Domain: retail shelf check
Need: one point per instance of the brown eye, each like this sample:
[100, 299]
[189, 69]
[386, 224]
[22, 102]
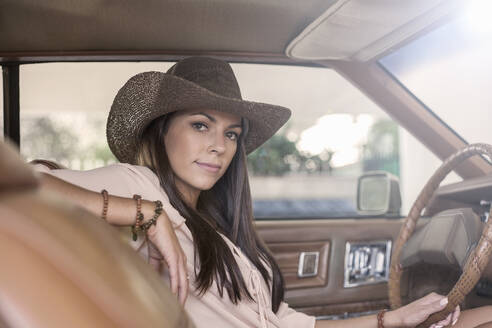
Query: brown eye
[199, 126]
[232, 135]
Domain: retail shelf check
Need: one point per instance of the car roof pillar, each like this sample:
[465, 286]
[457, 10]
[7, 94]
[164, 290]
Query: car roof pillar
[11, 106]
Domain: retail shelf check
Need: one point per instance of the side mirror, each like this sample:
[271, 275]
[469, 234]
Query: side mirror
[378, 193]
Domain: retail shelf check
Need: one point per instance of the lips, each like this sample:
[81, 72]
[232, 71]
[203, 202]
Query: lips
[209, 167]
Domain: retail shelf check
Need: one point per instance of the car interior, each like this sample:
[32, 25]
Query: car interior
[60, 265]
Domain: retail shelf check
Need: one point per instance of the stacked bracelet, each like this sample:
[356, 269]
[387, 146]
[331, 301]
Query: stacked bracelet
[157, 212]
[139, 225]
[105, 195]
[138, 217]
[381, 318]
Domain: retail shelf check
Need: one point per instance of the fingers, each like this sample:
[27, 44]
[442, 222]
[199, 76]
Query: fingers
[154, 257]
[431, 298]
[439, 304]
[456, 315]
[173, 274]
[155, 263]
[178, 274]
[183, 282]
[444, 322]
[451, 319]
[419, 310]
[168, 246]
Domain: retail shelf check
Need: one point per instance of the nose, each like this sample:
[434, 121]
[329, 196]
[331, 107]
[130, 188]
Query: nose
[217, 143]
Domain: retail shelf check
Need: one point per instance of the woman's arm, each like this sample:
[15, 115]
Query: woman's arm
[122, 212]
[409, 315]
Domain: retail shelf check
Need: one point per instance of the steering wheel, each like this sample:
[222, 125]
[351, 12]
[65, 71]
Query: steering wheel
[478, 258]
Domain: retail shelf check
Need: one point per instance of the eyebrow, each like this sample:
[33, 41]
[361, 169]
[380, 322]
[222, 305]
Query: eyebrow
[211, 118]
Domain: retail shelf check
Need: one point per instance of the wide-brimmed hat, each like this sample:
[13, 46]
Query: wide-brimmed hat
[192, 83]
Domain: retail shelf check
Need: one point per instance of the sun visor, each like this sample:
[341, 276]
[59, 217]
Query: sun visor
[361, 29]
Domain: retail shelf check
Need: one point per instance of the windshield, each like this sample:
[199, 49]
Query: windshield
[450, 71]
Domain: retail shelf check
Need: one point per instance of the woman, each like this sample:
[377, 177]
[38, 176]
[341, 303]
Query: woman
[182, 138]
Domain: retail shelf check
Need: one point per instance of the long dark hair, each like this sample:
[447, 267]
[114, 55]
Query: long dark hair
[227, 208]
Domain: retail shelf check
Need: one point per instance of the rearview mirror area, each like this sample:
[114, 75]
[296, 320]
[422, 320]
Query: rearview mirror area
[378, 193]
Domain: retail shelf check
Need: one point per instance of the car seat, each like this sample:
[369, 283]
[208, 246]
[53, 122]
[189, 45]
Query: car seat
[63, 267]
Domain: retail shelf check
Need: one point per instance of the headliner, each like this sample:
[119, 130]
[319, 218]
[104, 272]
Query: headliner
[246, 30]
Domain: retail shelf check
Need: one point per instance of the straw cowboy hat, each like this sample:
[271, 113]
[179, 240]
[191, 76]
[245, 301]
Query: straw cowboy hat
[195, 82]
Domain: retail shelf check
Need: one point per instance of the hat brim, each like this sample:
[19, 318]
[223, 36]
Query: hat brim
[149, 95]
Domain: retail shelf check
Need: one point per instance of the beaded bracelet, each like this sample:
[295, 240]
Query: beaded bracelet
[381, 318]
[157, 212]
[138, 217]
[139, 225]
[104, 193]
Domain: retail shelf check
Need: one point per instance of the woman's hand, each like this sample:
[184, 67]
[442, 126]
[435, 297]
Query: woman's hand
[416, 312]
[164, 245]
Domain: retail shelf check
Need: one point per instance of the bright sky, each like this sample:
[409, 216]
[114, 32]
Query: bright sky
[450, 70]
[342, 133]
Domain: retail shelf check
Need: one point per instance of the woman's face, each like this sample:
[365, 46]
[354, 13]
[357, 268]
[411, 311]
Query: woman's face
[200, 146]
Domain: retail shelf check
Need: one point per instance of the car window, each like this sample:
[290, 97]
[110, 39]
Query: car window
[309, 169]
[64, 120]
[449, 70]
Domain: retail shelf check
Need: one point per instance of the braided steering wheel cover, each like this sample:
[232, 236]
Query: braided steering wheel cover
[476, 262]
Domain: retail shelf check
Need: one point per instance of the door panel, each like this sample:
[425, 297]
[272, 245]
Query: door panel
[325, 294]
[287, 255]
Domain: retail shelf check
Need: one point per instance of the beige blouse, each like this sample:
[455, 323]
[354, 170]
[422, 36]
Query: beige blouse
[209, 309]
